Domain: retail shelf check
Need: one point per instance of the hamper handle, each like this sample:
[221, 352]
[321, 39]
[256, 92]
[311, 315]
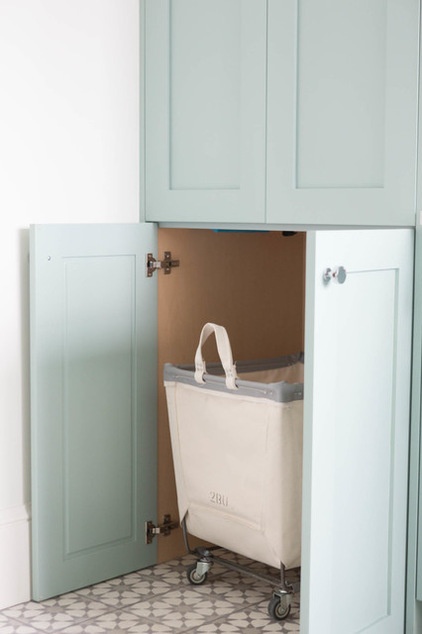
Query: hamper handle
[224, 352]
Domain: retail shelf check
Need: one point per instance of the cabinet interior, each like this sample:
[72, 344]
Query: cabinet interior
[253, 283]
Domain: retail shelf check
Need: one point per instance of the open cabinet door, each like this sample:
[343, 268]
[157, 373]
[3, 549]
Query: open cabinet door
[93, 410]
[357, 384]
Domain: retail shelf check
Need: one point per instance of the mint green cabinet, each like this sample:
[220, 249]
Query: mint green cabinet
[356, 432]
[205, 71]
[281, 111]
[94, 356]
[342, 111]
[93, 403]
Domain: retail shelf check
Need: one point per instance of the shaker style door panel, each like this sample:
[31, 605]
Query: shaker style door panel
[342, 111]
[93, 409]
[357, 392]
[205, 83]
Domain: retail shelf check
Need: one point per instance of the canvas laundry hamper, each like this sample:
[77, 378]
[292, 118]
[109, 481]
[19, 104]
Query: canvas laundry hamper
[236, 436]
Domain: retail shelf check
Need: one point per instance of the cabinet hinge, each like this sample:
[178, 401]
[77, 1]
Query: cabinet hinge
[167, 264]
[151, 530]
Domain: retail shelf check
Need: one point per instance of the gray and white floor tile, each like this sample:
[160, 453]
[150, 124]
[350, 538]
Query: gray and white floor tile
[160, 599]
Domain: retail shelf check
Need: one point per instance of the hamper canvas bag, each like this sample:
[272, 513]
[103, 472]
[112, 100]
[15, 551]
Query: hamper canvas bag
[236, 436]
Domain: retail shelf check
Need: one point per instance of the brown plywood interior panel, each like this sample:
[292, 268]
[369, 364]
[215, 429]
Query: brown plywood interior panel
[251, 283]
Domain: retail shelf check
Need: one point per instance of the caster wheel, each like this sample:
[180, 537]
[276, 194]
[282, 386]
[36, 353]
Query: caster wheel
[279, 608]
[193, 576]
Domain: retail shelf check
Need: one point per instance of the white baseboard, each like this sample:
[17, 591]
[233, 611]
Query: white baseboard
[15, 585]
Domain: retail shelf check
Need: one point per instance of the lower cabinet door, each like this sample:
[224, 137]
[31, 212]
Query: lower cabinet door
[357, 385]
[93, 403]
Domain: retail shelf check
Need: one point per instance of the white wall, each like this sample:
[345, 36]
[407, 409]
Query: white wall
[69, 152]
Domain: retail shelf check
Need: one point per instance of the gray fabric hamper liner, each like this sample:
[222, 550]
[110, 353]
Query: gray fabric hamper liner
[279, 391]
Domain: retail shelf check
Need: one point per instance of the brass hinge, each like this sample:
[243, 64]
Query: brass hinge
[166, 265]
[151, 530]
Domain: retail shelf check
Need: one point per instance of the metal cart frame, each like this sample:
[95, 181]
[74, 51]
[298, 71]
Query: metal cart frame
[279, 605]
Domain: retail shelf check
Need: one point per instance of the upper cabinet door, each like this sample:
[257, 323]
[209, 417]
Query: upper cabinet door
[205, 110]
[93, 403]
[356, 431]
[342, 111]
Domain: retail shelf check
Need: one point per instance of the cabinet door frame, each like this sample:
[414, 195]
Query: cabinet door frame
[414, 556]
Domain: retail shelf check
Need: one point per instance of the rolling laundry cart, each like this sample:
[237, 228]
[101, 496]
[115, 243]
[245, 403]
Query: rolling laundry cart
[236, 436]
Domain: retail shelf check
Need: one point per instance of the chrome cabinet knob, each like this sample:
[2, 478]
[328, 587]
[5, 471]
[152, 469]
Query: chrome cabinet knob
[339, 274]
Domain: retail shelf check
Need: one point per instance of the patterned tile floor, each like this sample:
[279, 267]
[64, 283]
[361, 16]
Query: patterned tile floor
[159, 599]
